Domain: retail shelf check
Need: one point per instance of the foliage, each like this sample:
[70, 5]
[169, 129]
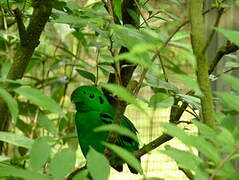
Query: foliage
[81, 45]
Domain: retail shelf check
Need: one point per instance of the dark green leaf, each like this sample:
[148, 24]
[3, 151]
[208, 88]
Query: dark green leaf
[10, 101]
[87, 75]
[98, 165]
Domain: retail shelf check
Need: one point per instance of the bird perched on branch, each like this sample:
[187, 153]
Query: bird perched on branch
[94, 110]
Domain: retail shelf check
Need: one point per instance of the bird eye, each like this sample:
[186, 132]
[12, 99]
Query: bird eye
[91, 96]
[101, 100]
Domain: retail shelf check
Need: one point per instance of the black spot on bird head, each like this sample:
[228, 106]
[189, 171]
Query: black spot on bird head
[101, 100]
[91, 96]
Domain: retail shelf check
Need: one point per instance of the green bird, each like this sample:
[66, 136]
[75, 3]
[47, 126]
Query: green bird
[94, 110]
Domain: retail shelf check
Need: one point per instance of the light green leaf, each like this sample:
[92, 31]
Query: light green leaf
[232, 81]
[123, 94]
[126, 156]
[16, 139]
[230, 100]
[10, 101]
[98, 165]
[81, 175]
[39, 153]
[117, 8]
[88, 75]
[44, 122]
[204, 129]
[62, 163]
[40, 99]
[161, 100]
[188, 81]
[117, 128]
[10, 171]
[192, 100]
[231, 35]
[142, 59]
[196, 141]
[232, 64]
[184, 159]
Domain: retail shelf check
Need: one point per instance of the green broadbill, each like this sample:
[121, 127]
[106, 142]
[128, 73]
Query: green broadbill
[94, 110]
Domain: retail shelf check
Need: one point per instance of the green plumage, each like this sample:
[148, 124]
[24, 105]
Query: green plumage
[94, 110]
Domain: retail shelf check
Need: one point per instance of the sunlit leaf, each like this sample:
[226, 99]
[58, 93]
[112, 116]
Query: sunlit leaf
[40, 99]
[232, 81]
[16, 139]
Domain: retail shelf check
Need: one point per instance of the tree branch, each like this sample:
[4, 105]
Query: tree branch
[41, 12]
[224, 50]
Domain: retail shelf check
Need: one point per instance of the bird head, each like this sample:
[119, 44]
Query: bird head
[89, 98]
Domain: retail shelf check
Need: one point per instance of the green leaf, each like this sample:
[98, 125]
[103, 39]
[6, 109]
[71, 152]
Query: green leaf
[10, 101]
[117, 128]
[39, 153]
[184, 159]
[126, 156]
[81, 175]
[142, 59]
[62, 163]
[232, 64]
[16, 139]
[232, 81]
[98, 165]
[192, 100]
[122, 93]
[161, 100]
[196, 141]
[204, 129]
[117, 8]
[88, 75]
[40, 99]
[230, 100]
[10, 171]
[231, 35]
[188, 81]
[44, 122]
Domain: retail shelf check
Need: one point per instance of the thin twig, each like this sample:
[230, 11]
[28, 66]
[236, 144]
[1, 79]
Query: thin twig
[219, 15]
[227, 71]
[221, 164]
[145, 21]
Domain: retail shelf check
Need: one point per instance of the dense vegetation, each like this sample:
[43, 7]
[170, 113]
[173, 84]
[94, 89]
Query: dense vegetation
[50, 47]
